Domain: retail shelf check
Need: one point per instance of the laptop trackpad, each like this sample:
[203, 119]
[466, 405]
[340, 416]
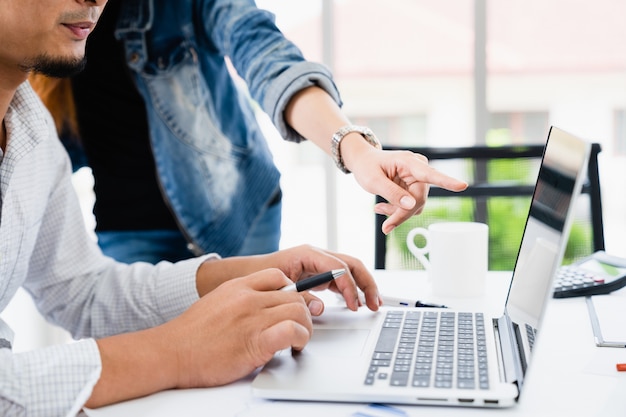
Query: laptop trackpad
[337, 342]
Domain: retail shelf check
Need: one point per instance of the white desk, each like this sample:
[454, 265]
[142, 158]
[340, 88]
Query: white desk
[569, 375]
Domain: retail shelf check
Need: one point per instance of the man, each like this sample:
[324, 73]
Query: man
[180, 163]
[198, 323]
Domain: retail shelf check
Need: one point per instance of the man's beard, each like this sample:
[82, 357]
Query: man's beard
[55, 67]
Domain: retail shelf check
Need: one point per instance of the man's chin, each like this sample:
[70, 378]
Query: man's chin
[57, 67]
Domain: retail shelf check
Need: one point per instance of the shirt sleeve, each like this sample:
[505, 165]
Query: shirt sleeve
[49, 382]
[273, 67]
[78, 288]
[72, 283]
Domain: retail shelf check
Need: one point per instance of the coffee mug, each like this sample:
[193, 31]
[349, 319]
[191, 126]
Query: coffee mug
[457, 257]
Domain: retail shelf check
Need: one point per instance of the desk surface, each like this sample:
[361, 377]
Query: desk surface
[569, 375]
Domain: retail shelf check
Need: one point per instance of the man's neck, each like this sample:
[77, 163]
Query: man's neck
[6, 96]
[10, 82]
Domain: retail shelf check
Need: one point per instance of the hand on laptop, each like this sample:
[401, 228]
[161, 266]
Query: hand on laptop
[238, 327]
[239, 323]
[220, 338]
[297, 263]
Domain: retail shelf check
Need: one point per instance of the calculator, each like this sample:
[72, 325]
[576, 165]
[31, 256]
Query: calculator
[599, 273]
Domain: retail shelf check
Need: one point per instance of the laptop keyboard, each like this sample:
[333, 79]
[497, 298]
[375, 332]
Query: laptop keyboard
[531, 334]
[431, 349]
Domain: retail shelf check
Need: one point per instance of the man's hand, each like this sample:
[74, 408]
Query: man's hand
[298, 263]
[238, 327]
[224, 336]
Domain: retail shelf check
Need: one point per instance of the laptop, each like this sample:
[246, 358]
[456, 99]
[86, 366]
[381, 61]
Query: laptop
[437, 356]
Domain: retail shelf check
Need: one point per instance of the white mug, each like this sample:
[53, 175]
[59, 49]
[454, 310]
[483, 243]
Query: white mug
[458, 255]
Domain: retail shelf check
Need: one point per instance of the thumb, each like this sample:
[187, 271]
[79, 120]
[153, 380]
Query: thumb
[281, 336]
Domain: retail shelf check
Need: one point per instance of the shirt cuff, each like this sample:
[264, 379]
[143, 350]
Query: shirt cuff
[57, 380]
[177, 289]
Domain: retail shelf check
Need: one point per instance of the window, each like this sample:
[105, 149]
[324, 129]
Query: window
[397, 130]
[517, 128]
[408, 72]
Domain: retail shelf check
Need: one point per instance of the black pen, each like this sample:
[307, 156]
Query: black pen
[314, 281]
[405, 302]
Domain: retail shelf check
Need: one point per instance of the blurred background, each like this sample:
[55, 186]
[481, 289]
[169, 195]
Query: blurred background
[444, 73]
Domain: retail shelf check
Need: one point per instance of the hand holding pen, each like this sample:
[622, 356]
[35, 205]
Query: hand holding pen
[314, 281]
[297, 264]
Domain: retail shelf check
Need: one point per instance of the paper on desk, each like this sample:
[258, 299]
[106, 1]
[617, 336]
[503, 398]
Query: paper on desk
[316, 409]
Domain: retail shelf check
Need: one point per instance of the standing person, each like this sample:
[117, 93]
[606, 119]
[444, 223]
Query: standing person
[181, 166]
[201, 322]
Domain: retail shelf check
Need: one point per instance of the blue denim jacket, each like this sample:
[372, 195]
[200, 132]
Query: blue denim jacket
[213, 162]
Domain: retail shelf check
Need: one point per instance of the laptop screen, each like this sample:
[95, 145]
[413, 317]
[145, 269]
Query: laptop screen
[559, 181]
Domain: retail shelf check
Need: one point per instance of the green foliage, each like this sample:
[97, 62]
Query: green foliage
[579, 243]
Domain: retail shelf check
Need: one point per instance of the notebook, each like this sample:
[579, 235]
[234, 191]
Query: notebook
[442, 356]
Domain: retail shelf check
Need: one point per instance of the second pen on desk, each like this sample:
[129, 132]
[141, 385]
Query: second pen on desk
[405, 302]
[314, 281]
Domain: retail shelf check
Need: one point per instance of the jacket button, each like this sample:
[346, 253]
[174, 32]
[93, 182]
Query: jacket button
[134, 57]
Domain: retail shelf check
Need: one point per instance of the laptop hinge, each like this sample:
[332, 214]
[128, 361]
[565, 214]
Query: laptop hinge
[509, 357]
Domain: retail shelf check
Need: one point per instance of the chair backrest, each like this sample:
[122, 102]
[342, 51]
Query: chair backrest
[501, 185]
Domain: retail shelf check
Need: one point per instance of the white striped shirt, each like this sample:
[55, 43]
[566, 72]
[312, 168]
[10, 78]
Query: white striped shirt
[45, 248]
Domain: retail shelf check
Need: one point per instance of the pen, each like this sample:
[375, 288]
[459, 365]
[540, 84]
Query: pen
[621, 367]
[405, 302]
[314, 281]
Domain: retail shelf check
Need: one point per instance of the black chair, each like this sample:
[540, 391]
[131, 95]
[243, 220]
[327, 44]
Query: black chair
[502, 203]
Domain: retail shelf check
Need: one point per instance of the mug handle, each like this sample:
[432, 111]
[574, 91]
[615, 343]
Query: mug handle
[418, 252]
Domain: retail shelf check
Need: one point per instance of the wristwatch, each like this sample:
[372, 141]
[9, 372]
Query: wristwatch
[335, 144]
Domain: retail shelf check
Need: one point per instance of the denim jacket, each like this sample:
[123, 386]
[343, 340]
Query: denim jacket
[213, 163]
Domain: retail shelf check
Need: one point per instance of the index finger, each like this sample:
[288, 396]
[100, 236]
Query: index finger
[432, 176]
[357, 276]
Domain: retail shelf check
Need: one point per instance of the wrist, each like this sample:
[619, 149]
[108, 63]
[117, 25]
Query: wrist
[336, 141]
[134, 365]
